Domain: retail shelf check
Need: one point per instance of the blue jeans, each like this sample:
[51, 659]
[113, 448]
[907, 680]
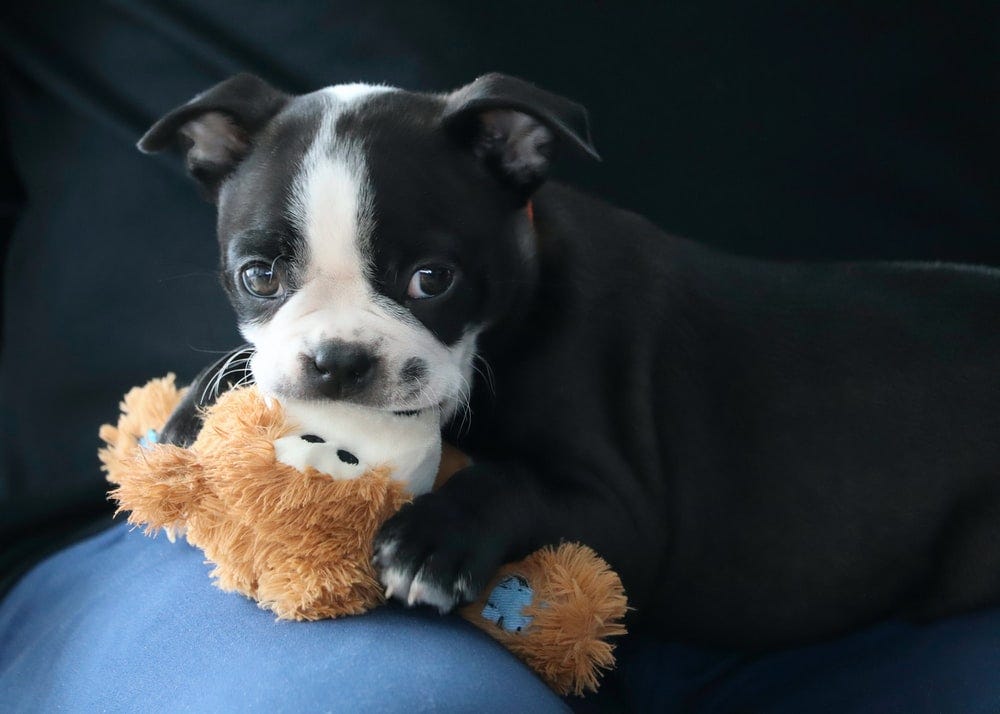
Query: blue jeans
[121, 622]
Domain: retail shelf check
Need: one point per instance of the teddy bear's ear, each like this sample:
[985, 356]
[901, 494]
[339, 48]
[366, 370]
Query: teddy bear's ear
[143, 412]
[160, 488]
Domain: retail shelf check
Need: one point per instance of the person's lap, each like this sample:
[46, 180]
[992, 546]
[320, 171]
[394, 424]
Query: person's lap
[123, 622]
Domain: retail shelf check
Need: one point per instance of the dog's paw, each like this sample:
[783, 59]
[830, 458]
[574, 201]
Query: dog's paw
[431, 554]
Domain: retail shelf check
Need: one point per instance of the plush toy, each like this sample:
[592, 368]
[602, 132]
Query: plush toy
[285, 500]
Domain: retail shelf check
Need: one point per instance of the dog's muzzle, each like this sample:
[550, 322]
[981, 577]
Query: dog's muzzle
[339, 369]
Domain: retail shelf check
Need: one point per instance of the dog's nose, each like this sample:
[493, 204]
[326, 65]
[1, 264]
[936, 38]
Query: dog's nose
[341, 369]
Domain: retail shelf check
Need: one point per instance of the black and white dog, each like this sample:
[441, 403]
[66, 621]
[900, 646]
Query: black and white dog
[766, 452]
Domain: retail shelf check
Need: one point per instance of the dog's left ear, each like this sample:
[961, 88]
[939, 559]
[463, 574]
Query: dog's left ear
[514, 127]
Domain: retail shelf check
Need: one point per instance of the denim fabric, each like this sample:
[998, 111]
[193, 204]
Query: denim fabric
[121, 622]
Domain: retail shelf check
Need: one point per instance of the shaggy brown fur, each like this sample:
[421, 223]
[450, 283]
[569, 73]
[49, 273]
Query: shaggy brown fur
[300, 542]
[579, 603]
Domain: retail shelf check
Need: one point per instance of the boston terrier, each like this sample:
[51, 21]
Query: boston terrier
[766, 452]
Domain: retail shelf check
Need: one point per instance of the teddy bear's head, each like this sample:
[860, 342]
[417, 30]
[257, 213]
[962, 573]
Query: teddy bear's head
[284, 499]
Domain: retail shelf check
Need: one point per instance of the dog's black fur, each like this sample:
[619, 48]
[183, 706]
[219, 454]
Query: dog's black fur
[767, 453]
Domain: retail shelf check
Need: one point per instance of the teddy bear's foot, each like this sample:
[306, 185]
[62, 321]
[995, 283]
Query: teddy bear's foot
[556, 611]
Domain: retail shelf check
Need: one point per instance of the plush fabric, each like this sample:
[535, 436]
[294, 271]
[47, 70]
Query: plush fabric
[122, 622]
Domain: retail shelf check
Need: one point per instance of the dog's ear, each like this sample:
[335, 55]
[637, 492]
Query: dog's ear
[217, 127]
[514, 127]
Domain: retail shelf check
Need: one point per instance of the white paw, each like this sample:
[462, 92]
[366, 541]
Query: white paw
[425, 592]
[400, 582]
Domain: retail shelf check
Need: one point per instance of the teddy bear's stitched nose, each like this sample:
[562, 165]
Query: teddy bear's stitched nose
[341, 369]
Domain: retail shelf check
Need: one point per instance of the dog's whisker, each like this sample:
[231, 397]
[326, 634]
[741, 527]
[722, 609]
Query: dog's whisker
[203, 350]
[238, 363]
[486, 372]
[464, 406]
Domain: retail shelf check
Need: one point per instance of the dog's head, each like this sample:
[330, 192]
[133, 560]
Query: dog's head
[368, 235]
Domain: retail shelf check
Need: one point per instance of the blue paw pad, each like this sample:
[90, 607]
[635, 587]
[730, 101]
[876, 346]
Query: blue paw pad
[505, 605]
[149, 439]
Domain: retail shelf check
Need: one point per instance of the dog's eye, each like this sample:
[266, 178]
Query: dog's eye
[263, 280]
[430, 281]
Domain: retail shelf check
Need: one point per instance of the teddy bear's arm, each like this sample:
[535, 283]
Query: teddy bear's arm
[160, 487]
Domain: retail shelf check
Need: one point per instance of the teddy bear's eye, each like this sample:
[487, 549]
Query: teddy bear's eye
[347, 457]
[313, 439]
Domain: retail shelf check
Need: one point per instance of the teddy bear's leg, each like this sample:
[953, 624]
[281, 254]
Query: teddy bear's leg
[556, 610]
[284, 588]
[299, 588]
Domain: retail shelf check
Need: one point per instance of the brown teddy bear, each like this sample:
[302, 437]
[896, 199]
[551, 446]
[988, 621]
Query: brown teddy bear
[285, 500]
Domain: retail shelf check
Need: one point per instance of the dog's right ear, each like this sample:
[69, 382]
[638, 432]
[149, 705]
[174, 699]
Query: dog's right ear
[217, 127]
[514, 127]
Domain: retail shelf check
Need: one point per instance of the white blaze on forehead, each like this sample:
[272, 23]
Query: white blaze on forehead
[331, 203]
[356, 90]
[333, 211]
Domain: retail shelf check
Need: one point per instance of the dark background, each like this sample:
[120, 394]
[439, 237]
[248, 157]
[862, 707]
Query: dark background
[796, 130]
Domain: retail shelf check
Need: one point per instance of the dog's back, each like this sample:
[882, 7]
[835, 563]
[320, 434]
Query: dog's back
[799, 448]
